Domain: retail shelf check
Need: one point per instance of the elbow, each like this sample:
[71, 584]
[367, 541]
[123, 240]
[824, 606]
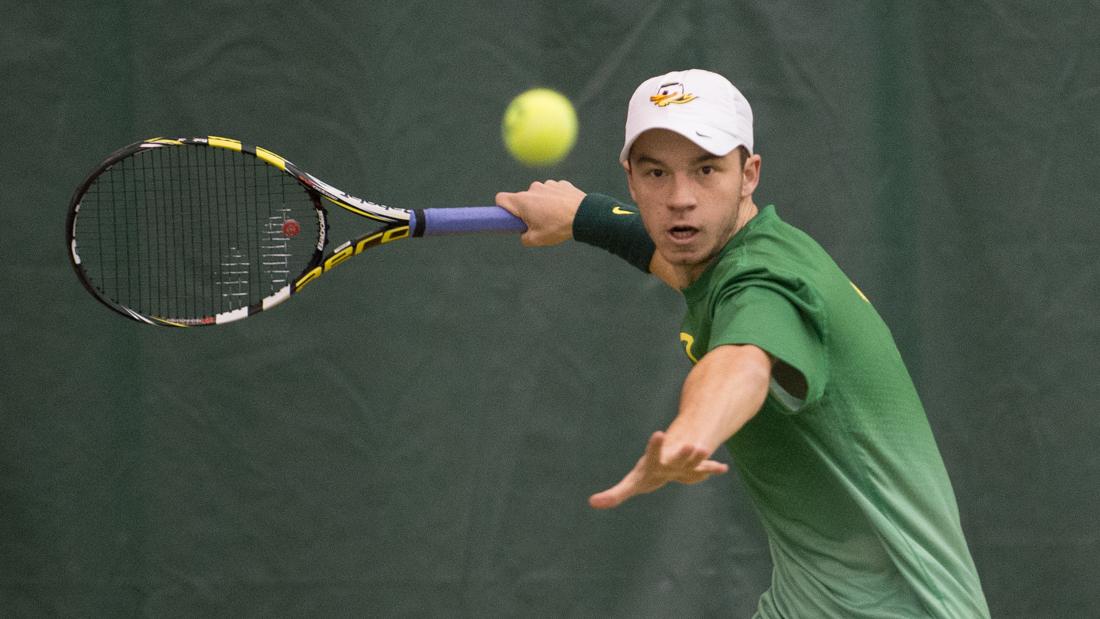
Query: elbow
[759, 380]
[742, 375]
[756, 377]
[751, 364]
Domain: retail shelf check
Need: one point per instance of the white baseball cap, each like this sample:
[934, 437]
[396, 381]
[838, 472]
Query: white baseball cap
[702, 106]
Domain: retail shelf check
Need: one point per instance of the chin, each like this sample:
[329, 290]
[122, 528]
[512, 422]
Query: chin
[681, 259]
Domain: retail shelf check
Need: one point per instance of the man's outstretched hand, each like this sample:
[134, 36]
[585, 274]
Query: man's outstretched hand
[660, 464]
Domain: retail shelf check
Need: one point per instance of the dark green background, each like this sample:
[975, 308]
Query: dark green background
[417, 435]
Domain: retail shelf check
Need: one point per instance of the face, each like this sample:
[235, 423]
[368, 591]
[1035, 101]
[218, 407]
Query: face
[692, 202]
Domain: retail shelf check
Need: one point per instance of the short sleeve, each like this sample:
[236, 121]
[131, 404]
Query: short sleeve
[782, 323]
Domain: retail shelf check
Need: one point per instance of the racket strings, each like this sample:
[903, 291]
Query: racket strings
[187, 232]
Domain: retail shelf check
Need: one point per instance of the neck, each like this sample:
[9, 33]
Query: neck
[745, 212]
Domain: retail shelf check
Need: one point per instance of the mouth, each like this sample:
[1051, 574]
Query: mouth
[682, 234]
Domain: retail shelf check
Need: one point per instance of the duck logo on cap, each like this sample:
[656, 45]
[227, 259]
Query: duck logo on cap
[672, 92]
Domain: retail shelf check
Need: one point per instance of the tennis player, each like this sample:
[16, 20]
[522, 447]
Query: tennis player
[794, 371]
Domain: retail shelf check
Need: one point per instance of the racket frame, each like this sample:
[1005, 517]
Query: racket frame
[398, 227]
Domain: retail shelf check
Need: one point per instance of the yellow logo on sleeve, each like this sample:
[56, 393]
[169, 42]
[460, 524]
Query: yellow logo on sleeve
[618, 210]
[688, 341]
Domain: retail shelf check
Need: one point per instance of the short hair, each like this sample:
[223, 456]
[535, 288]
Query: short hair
[744, 155]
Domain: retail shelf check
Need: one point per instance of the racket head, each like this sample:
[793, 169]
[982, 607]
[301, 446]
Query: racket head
[194, 231]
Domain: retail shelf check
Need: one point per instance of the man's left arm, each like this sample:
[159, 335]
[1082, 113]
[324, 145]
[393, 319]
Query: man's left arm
[720, 395]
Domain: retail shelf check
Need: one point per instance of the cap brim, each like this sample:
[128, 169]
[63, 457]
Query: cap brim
[719, 146]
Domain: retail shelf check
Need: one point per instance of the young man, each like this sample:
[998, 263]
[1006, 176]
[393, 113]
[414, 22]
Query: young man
[794, 370]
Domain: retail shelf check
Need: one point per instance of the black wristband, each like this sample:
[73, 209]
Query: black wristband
[604, 222]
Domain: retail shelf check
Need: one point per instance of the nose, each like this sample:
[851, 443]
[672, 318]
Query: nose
[681, 193]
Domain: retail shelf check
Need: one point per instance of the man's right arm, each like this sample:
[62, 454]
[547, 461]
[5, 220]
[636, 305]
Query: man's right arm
[556, 211]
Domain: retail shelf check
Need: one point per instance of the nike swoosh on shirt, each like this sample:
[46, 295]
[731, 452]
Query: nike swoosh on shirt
[618, 210]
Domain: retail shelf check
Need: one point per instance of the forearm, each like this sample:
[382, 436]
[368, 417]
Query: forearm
[720, 395]
[556, 211]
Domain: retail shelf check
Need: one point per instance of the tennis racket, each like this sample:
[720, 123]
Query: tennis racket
[184, 232]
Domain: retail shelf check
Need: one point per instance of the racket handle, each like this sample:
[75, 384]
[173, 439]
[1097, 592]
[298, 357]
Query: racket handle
[465, 220]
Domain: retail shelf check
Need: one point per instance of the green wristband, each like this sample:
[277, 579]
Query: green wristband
[604, 222]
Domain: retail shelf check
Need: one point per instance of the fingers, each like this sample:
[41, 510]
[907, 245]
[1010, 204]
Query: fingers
[640, 479]
[655, 445]
[689, 465]
[551, 186]
[507, 201]
[713, 467]
[547, 208]
[685, 463]
[610, 498]
[513, 203]
[684, 458]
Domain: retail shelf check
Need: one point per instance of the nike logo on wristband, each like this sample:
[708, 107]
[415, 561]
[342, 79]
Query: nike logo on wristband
[618, 210]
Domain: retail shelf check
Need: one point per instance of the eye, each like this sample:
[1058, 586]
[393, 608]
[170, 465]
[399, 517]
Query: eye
[706, 170]
[655, 172]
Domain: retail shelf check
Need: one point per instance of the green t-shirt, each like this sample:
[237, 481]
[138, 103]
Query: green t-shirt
[845, 473]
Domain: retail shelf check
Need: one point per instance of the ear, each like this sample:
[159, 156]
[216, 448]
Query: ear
[750, 176]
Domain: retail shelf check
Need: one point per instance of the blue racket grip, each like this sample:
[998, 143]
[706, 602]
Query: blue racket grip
[466, 220]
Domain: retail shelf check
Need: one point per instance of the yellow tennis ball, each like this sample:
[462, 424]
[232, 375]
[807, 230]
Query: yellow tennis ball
[539, 127]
